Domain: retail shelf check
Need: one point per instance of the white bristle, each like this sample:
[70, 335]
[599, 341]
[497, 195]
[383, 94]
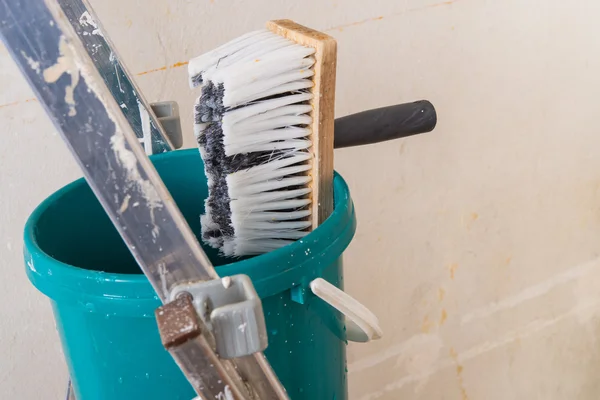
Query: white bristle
[199, 129]
[253, 128]
[199, 64]
[292, 81]
[238, 115]
[247, 207]
[248, 177]
[256, 200]
[244, 138]
[270, 185]
[275, 216]
[207, 223]
[252, 247]
[272, 146]
[295, 110]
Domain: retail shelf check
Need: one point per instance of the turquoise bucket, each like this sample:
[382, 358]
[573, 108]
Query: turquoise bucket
[104, 307]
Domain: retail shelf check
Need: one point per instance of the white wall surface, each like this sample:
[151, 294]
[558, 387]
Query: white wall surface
[477, 245]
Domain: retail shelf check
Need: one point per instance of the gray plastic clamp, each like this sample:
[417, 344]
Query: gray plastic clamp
[167, 113]
[232, 310]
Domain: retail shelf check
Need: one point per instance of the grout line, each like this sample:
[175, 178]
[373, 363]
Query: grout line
[14, 103]
[579, 271]
[176, 65]
[586, 311]
[410, 10]
[339, 27]
[531, 292]
[351, 24]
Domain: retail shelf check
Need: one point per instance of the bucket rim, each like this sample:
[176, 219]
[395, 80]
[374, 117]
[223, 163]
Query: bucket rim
[289, 266]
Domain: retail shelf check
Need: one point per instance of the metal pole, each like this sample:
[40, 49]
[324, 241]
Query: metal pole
[66, 81]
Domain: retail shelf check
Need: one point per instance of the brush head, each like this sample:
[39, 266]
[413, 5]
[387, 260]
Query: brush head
[253, 128]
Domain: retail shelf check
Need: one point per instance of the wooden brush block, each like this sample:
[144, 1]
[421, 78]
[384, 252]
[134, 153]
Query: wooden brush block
[323, 104]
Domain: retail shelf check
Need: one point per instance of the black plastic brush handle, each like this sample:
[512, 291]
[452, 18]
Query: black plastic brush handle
[386, 123]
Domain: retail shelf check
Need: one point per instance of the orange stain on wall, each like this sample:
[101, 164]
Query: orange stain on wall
[443, 317]
[176, 65]
[453, 268]
[14, 103]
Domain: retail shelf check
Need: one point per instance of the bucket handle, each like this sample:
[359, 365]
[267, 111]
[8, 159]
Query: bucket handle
[361, 324]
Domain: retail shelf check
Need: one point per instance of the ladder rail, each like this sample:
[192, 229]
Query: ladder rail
[43, 43]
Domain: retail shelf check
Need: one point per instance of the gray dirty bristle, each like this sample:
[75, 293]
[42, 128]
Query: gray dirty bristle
[252, 123]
